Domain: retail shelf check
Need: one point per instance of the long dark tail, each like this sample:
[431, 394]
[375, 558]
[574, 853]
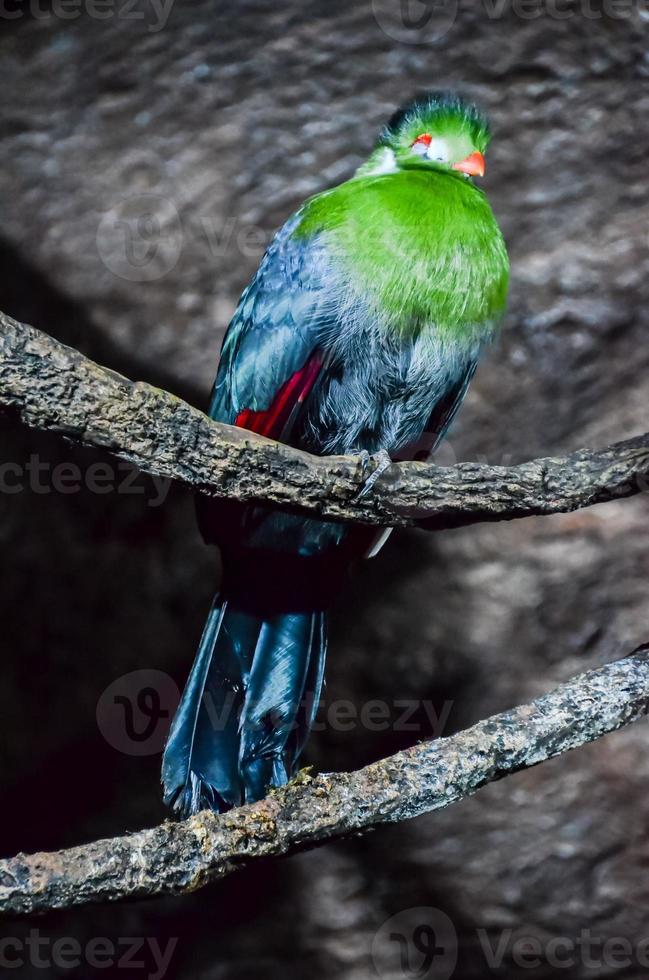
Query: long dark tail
[248, 706]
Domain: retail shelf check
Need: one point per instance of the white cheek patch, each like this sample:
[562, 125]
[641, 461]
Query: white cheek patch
[438, 151]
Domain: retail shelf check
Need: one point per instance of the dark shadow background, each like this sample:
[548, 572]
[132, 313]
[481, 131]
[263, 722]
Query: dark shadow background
[141, 167]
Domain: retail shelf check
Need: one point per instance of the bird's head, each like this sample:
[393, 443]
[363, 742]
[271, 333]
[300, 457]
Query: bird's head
[436, 131]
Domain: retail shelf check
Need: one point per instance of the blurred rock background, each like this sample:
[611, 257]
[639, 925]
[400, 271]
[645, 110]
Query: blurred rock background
[145, 159]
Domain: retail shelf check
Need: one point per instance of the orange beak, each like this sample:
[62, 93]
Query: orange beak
[473, 165]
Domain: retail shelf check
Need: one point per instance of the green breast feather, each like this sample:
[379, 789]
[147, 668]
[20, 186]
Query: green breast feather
[420, 248]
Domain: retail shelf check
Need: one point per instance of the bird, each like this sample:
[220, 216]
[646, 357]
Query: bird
[358, 335]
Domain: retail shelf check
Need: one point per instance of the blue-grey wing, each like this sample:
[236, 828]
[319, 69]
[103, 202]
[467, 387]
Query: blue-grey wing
[276, 328]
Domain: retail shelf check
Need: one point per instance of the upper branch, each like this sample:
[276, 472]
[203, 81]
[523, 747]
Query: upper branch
[55, 387]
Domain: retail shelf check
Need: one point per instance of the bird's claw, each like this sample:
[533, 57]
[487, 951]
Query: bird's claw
[382, 461]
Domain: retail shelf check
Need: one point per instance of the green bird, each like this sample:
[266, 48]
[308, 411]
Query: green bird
[359, 333]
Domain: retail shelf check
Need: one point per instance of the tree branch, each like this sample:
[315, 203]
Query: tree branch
[56, 388]
[182, 857]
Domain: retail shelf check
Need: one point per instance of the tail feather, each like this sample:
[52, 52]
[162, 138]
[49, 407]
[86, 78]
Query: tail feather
[199, 766]
[247, 707]
[313, 686]
[289, 657]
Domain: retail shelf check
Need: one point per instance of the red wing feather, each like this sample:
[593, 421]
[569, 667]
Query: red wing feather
[274, 421]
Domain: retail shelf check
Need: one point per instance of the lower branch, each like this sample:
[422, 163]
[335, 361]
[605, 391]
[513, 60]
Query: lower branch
[55, 388]
[182, 857]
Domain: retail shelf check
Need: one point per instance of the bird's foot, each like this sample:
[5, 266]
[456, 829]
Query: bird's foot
[372, 467]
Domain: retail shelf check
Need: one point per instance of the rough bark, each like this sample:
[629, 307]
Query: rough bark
[56, 388]
[182, 857]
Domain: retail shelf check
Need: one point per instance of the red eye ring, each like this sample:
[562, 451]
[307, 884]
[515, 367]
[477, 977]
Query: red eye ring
[425, 138]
